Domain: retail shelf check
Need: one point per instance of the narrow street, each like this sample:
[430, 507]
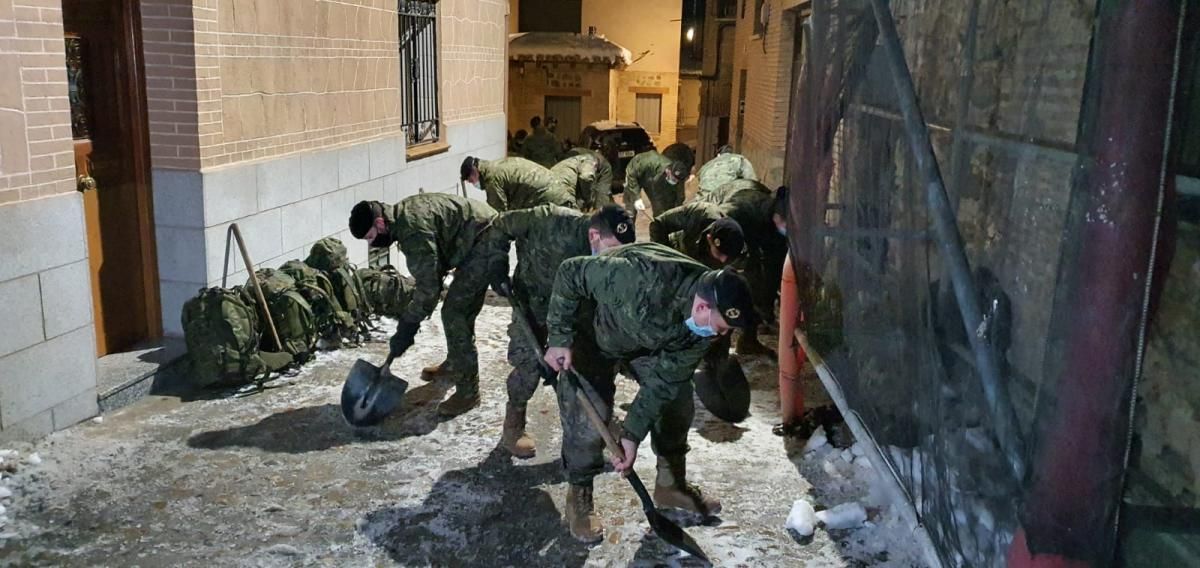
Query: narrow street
[278, 479]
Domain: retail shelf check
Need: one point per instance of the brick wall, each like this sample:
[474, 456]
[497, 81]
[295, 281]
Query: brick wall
[36, 158]
[473, 58]
[767, 61]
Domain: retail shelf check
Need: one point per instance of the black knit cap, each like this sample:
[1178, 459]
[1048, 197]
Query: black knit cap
[680, 170]
[618, 221]
[732, 295]
[362, 217]
[468, 165]
[727, 236]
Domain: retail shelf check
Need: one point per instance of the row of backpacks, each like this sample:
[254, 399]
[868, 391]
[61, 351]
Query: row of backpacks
[323, 302]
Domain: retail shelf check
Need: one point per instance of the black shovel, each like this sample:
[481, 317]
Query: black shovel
[371, 393]
[665, 528]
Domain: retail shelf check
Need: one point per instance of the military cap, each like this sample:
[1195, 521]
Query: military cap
[727, 236]
[680, 170]
[468, 165]
[618, 221]
[732, 296]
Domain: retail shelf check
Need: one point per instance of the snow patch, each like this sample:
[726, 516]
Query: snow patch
[844, 516]
[802, 519]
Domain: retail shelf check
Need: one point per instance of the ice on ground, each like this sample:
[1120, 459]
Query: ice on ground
[844, 516]
[817, 441]
[98, 420]
[802, 519]
[5, 492]
[34, 459]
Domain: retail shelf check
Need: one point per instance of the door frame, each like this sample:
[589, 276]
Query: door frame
[132, 81]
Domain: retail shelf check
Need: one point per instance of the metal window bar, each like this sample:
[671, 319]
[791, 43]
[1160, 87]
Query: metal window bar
[421, 118]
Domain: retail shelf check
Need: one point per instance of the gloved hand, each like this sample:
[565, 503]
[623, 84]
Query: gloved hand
[502, 285]
[404, 338]
[639, 205]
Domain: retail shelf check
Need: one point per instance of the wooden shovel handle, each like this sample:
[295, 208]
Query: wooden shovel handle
[262, 300]
[593, 415]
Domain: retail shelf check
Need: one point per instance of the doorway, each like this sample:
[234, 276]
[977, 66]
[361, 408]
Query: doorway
[106, 89]
[569, 112]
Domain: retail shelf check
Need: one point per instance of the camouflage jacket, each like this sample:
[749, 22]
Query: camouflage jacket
[645, 172]
[682, 229]
[435, 232]
[545, 236]
[517, 183]
[643, 294]
[588, 176]
[749, 203]
[721, 170]
[542, 147]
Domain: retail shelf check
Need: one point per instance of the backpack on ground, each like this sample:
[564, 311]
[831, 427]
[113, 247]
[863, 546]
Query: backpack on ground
[333, 323]
[329, 256]
[388, 291]
[222, 335]
[292, 314]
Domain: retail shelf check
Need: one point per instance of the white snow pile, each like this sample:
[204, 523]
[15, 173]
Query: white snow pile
[844, 516]
[802, 519]
[563, 46]
[817, 441]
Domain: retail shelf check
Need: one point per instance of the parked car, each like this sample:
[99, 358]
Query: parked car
[618, 142]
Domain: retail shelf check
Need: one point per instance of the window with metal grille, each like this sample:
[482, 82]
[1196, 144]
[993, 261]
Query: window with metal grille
[419, 71]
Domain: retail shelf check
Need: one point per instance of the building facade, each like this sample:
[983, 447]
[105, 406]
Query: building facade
[136, 131]
[647, 90]
[766, 62]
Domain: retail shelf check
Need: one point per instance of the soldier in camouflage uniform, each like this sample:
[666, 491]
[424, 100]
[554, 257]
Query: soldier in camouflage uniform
[545, 236]
[658, 311]
[660, 177]
[722, 169]
[542, 146]
[702, 231]
[680, 152]
[515, 183]
[761, 215]
[438, 233]
[589, 177]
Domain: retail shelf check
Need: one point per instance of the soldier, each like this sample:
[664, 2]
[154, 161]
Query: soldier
[541, 146]
[722, 169]
[681, 152]
[701, 231]
[515, 183]
[545, 236]
[762, 217]
[589, 177]
[438, 233]
[661, 177]
[657, 311]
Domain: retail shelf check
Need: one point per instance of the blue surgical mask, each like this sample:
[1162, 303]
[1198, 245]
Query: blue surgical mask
[701, 330]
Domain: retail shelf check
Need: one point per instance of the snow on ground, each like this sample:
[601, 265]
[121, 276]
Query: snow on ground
[278, 479]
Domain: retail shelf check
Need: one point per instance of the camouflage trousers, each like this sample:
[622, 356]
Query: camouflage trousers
[762, 269]
[526, 375]
[661, 200]
[464, 300]
[582, 445]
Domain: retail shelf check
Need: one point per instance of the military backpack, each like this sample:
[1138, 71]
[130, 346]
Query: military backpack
[222, 334]
[329, 256]
[292, 314]
[333, 323]
[388, 291]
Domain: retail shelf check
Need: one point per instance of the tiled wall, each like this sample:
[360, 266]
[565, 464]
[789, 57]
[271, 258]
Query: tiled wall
[36, 159]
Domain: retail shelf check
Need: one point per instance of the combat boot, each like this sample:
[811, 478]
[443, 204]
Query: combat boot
[435, 372]
[514, 439]
[465, 397]
[672, 491]
[581, 518]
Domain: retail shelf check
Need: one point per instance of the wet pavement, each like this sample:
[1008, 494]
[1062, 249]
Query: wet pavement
[277, 478]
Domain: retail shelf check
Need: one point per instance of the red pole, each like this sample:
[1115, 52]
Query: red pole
[1076, 477]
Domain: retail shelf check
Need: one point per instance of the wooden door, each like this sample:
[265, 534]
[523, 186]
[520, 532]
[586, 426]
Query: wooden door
[108, 122]
[569, 112]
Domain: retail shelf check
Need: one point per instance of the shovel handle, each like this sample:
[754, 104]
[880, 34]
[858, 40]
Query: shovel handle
[598, 423]
[262, 300]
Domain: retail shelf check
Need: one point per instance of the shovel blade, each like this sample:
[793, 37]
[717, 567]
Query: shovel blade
[674, 535]
[724, 390]
[370, 394]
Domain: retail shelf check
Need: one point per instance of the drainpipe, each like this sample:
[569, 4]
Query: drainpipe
[1070, 513]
